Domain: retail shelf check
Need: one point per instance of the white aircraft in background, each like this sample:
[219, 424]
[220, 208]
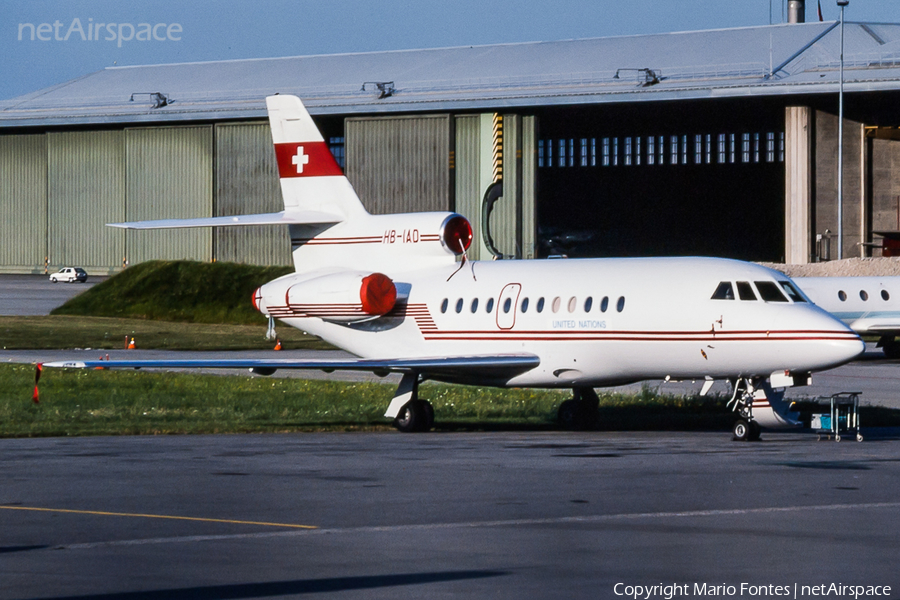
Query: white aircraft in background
[397, 291]
[868, 305]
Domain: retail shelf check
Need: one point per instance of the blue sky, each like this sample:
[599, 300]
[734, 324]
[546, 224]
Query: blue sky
[167, 31]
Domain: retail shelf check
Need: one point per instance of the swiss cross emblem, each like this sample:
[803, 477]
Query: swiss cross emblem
[300, 159]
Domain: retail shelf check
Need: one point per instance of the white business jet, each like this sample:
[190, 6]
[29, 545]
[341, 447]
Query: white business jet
[867, 305]
[398, 292]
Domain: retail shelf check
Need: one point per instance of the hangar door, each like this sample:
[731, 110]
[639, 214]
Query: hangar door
[85, 190]
[247, 183]
[169, 177]
[687, 178]
[400, 164]
[23, 209]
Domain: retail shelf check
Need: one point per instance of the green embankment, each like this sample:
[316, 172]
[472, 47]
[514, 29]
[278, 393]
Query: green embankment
[183, 291]
[168, 305]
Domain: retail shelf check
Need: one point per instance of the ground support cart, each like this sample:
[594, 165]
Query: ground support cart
[842, 418]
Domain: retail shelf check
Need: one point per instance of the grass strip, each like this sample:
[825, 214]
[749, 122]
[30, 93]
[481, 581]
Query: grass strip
[63, 332]
[94, 402]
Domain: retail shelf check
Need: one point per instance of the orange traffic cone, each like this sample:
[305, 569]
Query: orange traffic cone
[131, 345]
[277, 344]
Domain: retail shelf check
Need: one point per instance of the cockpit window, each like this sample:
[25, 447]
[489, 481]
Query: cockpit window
[745, 290]
[770, 292]
[724, 291]
[791, 291]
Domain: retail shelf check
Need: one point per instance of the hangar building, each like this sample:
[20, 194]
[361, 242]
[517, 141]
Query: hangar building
[710, 143]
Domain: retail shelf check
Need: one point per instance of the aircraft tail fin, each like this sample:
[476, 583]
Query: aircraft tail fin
[311, 179]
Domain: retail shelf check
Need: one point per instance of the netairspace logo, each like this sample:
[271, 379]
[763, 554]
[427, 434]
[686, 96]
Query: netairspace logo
[795, 591]
[93, 32]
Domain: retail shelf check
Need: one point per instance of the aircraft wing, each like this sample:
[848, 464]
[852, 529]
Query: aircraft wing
[499, 366]
[876, 325]
[279, 218]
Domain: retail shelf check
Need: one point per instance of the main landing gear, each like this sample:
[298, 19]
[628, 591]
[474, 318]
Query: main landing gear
[410, 414]
[890, 346]
[580, 413]
[745, 429]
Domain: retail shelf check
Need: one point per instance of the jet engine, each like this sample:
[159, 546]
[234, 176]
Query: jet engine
[347, 297]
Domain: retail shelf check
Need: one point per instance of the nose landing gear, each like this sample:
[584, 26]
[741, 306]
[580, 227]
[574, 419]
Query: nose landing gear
[745, 429]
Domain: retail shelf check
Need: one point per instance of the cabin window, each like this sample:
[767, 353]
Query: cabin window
[863, 295]
[507, 305]
[555, 305]
[444, 305]
[572, 304]
[604, 304]
[524, 305]
[885, 296]
[620, 304]
[474, 305]
[791, 291]
[588, 303]
[770, 292]
[459, 305]
[489, 307]
[745, 291]
[842, 295]
[724, 291]
[540, 304]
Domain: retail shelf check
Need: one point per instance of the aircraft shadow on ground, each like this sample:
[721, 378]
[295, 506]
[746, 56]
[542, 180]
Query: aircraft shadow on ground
[288, 588]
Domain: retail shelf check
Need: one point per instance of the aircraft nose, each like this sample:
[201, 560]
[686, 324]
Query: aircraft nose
[841, 344]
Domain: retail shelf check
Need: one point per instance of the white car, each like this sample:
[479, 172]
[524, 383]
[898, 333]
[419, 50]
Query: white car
[69, 275]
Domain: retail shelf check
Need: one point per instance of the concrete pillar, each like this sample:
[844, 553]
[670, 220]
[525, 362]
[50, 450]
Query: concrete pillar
[855, 206]
[798, 185]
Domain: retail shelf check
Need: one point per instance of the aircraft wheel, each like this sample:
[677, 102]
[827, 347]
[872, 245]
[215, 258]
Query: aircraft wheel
[415, 416]
[891, 349]
[569, 415]
[577, 415]
[741, 430]
[755, 431]
[429, 415]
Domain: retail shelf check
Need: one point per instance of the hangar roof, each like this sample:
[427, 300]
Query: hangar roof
[766, 60]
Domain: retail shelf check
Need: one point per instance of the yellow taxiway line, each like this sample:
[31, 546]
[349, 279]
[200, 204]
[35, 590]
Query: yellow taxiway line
[144, 516]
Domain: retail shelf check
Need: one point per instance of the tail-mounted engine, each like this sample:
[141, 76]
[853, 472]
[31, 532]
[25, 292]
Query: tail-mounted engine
[348, 297]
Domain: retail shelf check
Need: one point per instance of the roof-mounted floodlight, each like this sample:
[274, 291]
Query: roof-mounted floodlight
[159, 99]
[385, 88]
[651, 77]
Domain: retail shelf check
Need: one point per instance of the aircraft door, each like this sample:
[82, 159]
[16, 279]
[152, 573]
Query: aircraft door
[507, 304]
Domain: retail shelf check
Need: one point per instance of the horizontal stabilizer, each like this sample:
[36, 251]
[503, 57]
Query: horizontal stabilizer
[279, 218]
[498, 365]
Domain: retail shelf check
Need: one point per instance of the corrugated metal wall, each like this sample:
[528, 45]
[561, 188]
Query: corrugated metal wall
[58, 190]
[468, 193]
[529, 136]
[86, 190]
[504, 216]
[170, 172]
[399, 164]
[513, 216]
[247, 183]
[23, 209]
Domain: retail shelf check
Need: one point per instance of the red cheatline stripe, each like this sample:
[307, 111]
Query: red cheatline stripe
[552, 338]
